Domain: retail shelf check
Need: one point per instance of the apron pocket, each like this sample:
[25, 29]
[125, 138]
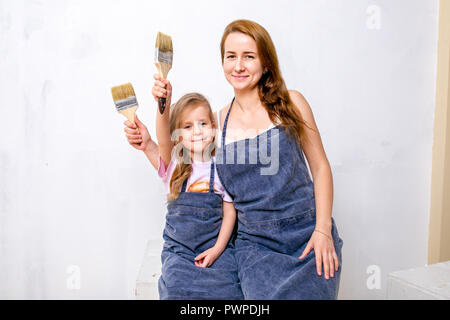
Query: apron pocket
[285, 235]
[279, 224]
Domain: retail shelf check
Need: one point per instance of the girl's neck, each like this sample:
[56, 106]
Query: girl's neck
[248, 101]
[200, 157]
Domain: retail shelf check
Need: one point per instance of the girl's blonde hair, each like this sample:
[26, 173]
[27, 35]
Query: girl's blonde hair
[183, 168]
[271, 87]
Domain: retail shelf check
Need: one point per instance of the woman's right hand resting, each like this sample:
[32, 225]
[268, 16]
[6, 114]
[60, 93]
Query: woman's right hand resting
[137, 134]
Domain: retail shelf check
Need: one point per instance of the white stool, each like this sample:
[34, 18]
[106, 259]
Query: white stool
[425, 283]
[150, 271]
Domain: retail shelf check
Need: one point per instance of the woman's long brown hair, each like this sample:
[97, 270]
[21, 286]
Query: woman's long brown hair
[271, 87]
[183, 168]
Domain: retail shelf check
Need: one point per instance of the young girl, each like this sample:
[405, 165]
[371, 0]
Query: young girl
[197, 258]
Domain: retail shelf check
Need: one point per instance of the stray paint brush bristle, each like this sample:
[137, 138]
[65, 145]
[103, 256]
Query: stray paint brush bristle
[125, 100]
[163, 61]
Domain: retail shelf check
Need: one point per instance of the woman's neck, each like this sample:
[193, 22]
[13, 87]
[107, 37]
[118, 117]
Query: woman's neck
[248, 101]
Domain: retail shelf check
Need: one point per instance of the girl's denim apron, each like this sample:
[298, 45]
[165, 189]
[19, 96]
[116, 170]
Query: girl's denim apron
[192, 225]
[276, 217]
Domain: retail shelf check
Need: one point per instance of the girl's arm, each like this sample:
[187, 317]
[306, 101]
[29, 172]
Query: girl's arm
[152, 154]
[163, 88]
[229, 218]
[207, 258]
[140, 139]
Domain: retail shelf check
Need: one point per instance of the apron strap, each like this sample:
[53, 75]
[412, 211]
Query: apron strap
[225, 125]
[211, 179]
[183, 188]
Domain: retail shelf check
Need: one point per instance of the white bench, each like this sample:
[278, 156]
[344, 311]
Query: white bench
[425, 283]
[150, 271]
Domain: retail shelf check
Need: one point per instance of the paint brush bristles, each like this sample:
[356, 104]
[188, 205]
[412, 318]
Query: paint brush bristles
[125, 100]
[163, 60]
[163, 54]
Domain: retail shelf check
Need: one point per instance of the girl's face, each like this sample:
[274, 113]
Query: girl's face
[197, 130]
[241, 63]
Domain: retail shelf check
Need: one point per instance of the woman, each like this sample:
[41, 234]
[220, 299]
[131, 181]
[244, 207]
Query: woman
[287, 244]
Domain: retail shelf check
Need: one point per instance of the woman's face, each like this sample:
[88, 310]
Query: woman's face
[241, 63]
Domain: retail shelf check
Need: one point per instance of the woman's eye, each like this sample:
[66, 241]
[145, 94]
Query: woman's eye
[230, 57]
[203, 123]
[187, 127]
[249, 57]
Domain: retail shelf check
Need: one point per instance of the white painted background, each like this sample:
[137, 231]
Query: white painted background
[74, 193]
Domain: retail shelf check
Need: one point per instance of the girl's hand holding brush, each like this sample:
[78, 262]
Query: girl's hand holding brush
[138, 135]
[162, 89]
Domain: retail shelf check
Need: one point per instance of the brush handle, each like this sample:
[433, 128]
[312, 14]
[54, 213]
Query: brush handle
[163, 69]
[129, 114]
[161, 105]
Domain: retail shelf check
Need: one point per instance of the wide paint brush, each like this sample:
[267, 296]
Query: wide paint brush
[125, 100]
[163, 61]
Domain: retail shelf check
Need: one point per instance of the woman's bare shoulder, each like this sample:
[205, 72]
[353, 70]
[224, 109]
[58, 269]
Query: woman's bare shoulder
[297, 98]
[224, 110]
[300, 102]
[222, 113]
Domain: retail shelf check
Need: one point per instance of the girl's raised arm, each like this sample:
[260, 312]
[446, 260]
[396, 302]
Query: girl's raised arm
[163, 89]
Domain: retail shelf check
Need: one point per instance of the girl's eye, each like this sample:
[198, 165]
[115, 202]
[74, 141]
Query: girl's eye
[187, 127]
[230, 57]
[203, 123]
[249, 57]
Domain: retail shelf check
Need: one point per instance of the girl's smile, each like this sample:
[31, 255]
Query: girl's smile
[197, 129]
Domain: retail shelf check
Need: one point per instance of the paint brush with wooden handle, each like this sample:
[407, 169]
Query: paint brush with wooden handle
[125, 100]
[163, 61]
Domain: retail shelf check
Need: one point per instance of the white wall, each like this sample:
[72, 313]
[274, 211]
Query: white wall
[73, 192]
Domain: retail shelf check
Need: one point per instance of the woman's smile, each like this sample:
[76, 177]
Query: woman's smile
[239, 77]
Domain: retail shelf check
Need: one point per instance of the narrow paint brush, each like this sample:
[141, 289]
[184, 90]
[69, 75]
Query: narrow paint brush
[163, 61]
[125, 100]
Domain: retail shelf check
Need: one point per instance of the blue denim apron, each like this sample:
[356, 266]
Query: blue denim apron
[193, 223]
[276, 217]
